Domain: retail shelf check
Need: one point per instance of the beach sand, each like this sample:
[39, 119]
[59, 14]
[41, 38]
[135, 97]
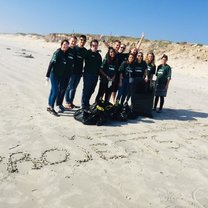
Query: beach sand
[50, 162]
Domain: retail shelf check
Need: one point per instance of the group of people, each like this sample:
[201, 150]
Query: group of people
[117, 71]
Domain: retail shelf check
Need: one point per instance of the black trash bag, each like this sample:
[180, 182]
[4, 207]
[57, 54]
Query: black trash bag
[131, 114]
[142, 98]
[85, 116]
[98, 114]
[118, 113]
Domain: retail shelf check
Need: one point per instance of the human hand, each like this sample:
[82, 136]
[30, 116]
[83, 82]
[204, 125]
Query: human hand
[46, 81]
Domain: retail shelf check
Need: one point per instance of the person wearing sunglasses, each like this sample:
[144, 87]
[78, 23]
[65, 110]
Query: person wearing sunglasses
[93, 61]
[81, 52]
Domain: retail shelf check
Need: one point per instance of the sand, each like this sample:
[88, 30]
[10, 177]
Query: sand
[50, 162]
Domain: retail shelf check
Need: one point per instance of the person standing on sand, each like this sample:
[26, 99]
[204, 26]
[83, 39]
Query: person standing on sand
[65, 79]
[108, 71]
[151, 67]
[59, 65]
[126, 70]
[163, 79]
[140, 72]
[81, 52]
[93, 61]
[121, 56]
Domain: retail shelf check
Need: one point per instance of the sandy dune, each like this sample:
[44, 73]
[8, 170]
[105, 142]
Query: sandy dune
[49, 162]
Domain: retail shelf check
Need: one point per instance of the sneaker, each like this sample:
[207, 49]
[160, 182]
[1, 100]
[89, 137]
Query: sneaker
[154, 109]
[159, 111]
[52, 111]
[60, 109]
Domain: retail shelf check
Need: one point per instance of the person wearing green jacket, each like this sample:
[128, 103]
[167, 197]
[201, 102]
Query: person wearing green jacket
[58, 66]
[163, 79]
[93, 61]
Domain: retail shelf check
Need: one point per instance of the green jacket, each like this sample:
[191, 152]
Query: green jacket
[61, 64]
[93, 61]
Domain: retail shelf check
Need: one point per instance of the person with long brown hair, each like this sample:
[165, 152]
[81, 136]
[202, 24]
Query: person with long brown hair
[163, 79]
[59, 66]
[126, 70]
[140, 72]
[151, 67]
[108, 71]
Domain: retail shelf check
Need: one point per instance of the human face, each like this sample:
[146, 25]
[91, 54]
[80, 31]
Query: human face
[64, 46]
[112, 54]
[122, 48]
[131, 58]
[150, 57]
[139, 56]
[164, 61]
[94, 46]
[117, 46]
[72, 42]
[82, 42]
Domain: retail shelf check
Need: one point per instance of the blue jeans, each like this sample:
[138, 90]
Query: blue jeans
[72, 86]
[89, 84]
[55, 86]
[123, 91]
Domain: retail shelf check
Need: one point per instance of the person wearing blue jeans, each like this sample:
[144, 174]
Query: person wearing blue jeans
[93, 62]
[55, 87]
[66, 77]
[81, 52]
[71, 90]
[58, 66]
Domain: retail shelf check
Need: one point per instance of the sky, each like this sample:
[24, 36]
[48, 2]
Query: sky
[173, 20]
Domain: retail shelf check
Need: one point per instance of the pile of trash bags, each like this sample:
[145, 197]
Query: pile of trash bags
[102, 112]
[142, 95]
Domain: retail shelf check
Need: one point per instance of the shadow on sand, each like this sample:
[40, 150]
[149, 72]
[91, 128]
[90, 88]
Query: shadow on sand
[167, 114]
[179, 114]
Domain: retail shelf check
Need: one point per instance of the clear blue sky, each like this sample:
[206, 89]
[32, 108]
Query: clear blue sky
[176, 20]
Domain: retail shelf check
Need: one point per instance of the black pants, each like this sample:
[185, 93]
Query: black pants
[162, 99]
[89, 84]
[63, 86]
[103, 89]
